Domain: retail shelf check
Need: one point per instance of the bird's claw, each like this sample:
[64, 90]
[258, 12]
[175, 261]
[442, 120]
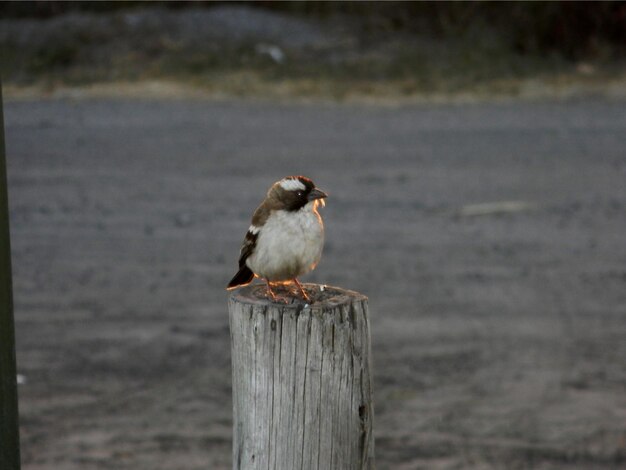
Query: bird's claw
[291, 294]
[279, 299]
[303, 293]
[275, 298]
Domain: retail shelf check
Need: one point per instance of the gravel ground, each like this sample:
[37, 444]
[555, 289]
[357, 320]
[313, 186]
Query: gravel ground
[489, 239]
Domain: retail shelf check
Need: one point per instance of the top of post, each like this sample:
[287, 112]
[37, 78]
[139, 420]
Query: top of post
[322, 296]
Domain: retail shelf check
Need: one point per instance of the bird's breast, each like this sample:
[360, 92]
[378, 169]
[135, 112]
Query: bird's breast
[289, 245]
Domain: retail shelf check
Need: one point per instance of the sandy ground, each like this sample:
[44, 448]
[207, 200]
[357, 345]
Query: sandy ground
[489, 239]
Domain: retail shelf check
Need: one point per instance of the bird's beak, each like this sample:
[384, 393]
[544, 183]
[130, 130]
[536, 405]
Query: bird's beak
[316, 194]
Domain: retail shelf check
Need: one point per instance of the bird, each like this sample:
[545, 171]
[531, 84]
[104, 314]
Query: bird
[286, 236]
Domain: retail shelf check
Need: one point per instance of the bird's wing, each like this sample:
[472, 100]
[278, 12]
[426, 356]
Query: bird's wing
[258, 220]
[248, 247]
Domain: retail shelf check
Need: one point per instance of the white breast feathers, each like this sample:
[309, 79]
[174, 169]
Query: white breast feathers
[289, 244]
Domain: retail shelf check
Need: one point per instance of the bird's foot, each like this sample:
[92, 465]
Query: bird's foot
[305, 296]
[274, 297]
[280, 299]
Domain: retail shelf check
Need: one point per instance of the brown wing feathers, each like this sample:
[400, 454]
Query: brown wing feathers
[248, 247]
[244, 275]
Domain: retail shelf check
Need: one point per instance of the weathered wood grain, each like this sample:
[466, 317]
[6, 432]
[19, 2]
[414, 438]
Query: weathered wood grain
[301, 381]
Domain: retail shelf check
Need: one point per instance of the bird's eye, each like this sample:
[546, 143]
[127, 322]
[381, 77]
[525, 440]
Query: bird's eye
[299, 193]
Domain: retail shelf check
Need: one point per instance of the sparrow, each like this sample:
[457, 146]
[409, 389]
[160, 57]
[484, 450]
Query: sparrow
[286, 236]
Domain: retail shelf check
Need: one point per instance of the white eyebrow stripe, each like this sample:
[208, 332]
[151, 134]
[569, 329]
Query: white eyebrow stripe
[253, 229]
[292, 184]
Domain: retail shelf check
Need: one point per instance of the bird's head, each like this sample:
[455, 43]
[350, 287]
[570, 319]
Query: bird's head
[295, 192]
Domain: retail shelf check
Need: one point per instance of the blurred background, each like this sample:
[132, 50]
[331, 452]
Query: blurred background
[334, 50]
[474, 157]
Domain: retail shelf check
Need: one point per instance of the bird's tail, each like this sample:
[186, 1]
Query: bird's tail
[244, 276]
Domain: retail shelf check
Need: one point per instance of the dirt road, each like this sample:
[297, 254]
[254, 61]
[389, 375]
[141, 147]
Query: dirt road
[489, 238]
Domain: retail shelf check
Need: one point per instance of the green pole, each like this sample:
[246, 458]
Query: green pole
[9, 429]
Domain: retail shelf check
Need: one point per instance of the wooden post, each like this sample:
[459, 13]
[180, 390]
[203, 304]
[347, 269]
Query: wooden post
[302, 396]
